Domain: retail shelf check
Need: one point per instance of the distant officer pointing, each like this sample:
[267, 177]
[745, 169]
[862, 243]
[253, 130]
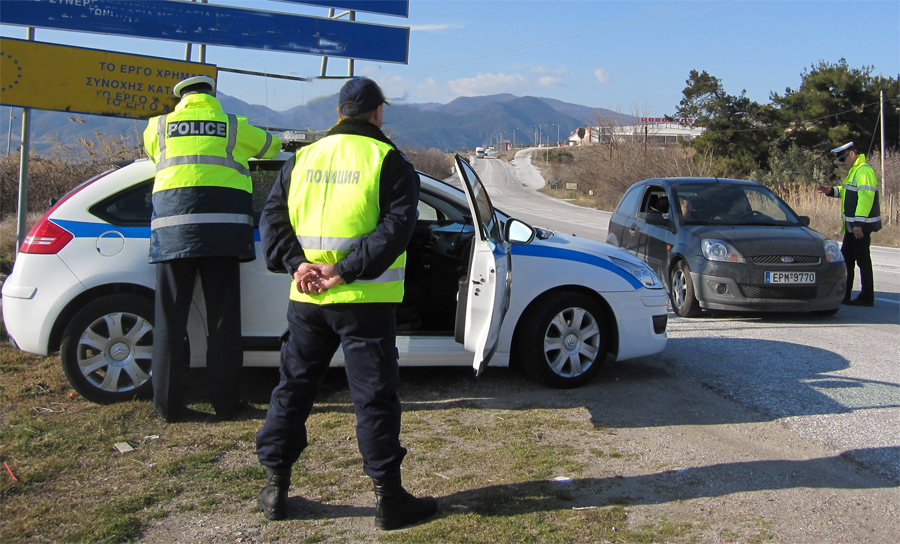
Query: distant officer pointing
[202, 224]
[860, 217]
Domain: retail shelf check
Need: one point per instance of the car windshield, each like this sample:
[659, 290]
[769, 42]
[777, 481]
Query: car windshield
[729, 204]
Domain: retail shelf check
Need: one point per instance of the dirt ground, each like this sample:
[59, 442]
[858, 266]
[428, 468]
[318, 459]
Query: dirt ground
[750, 480]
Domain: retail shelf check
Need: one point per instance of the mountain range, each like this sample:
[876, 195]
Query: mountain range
[464, 123]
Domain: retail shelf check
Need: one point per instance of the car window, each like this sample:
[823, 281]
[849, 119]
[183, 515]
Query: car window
[426, 212]
[133, 206]
[263, 174]
[629, 202]
[730, 204]
[129, 208]
[654, 201]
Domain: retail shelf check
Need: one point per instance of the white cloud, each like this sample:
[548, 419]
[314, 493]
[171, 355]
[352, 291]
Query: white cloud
[484, 84]
[533, 79]
[602, 76]
[433, 28]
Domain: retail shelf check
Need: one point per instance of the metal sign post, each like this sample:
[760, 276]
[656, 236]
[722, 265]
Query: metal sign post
[25, 150]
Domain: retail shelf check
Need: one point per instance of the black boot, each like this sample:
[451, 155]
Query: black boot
[395, 507]
[272, 500]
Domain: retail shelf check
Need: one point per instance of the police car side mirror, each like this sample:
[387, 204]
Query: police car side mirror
[518, 232]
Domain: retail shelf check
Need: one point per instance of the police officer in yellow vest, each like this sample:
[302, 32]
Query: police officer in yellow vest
[339, 218]
[861, 216]
[202, 223]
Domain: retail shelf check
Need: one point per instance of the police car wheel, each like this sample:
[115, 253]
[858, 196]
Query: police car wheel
[563, 340]
[106, 349]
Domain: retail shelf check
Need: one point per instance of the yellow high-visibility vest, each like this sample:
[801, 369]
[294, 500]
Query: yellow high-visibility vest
[198, 145]
[333, 204]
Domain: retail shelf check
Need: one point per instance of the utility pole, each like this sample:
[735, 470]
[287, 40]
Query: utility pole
[883, 176]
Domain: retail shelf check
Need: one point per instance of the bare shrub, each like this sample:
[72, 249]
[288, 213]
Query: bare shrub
[8, 238]
[53, 176]
[609, 169]
[825, 213]
[431, 161]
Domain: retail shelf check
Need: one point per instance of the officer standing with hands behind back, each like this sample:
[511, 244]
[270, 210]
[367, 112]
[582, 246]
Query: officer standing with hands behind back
[338, 219]
[861, 216]
[202, 223]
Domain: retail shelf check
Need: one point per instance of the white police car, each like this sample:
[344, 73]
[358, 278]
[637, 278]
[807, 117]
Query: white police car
[552, 305]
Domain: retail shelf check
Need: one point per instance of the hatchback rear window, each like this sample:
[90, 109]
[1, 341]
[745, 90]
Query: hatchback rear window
[133, 206]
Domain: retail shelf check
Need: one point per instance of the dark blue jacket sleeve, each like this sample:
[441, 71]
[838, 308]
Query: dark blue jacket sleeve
[398, 201]
[280, 245]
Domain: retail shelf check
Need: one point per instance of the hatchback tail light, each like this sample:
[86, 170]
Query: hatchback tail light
[46, 238]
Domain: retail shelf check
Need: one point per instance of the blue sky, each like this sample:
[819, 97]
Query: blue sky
[630, 56]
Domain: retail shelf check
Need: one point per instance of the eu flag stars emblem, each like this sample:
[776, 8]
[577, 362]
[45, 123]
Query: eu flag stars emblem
[10, 71]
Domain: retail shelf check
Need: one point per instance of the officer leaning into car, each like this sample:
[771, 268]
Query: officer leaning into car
[861, 216]
[202, 223]
[338, 219]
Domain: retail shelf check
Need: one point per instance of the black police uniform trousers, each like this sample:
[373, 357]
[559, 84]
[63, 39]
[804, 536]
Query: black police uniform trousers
[221, 282]
[856, 253]
[367, 334]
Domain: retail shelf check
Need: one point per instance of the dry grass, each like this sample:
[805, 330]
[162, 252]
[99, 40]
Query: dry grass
[603, 173]
[52, 176]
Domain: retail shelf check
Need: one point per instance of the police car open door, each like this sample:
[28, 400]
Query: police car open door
[484, 292]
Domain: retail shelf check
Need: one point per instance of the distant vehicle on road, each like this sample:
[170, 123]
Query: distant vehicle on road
[479, 152]
[725, 244]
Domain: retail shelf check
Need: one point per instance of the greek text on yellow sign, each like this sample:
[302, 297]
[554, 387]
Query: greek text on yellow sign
[56, 77]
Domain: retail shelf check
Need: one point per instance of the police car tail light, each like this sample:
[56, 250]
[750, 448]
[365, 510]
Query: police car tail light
[46, 238]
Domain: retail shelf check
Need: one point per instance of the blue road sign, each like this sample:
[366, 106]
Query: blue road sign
[400, 8]
[215, 25]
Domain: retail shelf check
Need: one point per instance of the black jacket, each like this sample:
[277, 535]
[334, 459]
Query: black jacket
[398, 201]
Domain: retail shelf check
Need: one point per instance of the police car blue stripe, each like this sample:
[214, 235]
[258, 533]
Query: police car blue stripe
[83, 229]
[534, 250]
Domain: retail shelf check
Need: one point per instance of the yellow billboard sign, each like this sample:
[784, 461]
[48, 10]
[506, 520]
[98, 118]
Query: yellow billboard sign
[62, 78]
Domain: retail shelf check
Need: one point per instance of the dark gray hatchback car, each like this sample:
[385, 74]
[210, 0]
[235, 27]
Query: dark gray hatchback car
[726, 244]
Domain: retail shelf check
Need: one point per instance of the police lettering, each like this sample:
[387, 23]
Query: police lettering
[338, 177]
[196, 128]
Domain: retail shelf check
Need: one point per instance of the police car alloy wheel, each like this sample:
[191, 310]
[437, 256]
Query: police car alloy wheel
[563, 340]
[106, 349]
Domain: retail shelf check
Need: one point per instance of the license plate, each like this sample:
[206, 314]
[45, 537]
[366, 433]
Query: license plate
[790, 277]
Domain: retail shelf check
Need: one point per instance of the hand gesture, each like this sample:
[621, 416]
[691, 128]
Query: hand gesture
[314, 279]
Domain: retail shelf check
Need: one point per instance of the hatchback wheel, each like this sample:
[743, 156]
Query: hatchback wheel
[106, 349]
[563, 341]
[684, 300]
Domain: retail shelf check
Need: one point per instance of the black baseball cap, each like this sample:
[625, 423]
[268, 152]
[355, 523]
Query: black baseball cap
[360, 95]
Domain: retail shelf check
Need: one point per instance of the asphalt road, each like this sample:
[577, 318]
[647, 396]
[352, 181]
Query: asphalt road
[833, 380]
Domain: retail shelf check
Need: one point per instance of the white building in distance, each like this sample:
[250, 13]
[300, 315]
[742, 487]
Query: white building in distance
[652, 130]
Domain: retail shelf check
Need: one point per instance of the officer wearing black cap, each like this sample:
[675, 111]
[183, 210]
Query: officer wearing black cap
[202, 224]
[338, 219]
[860, 217]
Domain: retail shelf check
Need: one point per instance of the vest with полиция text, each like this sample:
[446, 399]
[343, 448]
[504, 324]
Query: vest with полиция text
[333, 204]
